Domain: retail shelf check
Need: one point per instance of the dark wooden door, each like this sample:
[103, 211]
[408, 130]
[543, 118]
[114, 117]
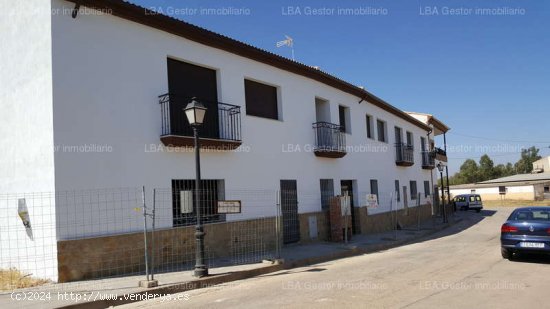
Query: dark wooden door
[289, 210]
[186, 81]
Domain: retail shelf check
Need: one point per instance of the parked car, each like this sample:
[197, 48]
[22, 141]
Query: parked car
[526, 230]
[468, 202]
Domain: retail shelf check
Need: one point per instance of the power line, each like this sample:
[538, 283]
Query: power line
[491, 156]
[478, 157]
[498, 140]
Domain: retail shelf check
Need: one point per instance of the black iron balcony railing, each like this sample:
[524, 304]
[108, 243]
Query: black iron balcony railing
[330, 141]
[439, 151]
[440, 154]
[428, 159]
[404, 154]
[221, 126]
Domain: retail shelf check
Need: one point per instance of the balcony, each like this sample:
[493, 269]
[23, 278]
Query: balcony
[330, 141]
[221, 128]
[404, 154]
[440, 154]
[428, 160]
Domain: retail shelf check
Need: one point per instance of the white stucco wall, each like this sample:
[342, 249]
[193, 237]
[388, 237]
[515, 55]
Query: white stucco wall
[492, 193]
[26, 137]
[543, 163]
[108, 73]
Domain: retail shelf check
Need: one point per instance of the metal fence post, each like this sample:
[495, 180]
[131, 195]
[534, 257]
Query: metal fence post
[418, 211]
[278, 225]
[345, 216]
[153, 217]
[393, 218]
[149, 282]
[145, 234]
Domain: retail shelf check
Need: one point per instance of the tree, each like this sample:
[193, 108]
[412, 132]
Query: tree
[525, 163]
[469, 171]
[486, 168]
[509, 170]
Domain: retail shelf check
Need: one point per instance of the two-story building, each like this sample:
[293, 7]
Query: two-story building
[95, 99]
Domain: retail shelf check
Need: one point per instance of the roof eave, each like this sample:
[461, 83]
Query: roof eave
[183, 29]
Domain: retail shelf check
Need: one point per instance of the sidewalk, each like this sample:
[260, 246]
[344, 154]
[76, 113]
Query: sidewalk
[92, 293]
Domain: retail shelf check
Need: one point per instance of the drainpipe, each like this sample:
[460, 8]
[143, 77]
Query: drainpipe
[431, 176]
[447, 171]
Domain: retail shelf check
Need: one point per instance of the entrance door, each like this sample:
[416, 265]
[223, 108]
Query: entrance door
[347, 187]
[289, 210]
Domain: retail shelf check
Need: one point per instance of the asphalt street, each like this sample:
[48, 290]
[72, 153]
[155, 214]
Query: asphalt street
[459, 267]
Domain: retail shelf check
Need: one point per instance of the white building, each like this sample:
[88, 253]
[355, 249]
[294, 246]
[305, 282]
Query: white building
[531, 187]
[80, 110]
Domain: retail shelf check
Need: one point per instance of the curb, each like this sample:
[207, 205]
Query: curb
[246, 274]
[356, 251]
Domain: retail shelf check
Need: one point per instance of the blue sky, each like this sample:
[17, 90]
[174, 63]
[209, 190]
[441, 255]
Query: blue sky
[487, 77]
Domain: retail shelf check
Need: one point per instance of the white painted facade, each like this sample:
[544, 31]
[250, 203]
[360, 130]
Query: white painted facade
[26, 136]
[542, 165]
[97, 84]
[524, 190]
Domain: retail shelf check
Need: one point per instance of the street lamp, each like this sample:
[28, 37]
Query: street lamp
[195, 111]
[441, 167]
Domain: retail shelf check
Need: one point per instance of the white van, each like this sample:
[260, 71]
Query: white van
[468, 202]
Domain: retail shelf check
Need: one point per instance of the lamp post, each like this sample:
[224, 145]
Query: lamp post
[441, 167]
[195, 111]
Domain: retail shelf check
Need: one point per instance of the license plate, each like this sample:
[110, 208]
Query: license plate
[531, 245]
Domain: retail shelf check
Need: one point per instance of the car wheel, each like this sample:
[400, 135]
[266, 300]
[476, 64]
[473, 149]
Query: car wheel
[478, 210]
[506, 253]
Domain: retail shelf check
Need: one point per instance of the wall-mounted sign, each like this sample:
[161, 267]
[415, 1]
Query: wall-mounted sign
[372, 201]
[229, 207]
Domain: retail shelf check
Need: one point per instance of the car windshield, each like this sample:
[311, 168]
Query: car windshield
[537, 215]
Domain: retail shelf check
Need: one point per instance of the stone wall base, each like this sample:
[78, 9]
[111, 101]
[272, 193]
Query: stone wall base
[235, 242]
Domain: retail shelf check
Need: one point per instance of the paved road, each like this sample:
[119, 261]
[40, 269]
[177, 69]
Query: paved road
[460, 270]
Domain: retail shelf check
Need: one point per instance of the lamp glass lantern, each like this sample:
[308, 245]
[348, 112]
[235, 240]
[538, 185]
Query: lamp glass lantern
[195, 111]
[440, 167]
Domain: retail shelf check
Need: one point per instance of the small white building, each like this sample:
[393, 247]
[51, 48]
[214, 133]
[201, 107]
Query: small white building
[534, 186]
[542, 166]
[95, 100]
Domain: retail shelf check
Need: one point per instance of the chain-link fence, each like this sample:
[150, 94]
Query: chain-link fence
[92, 234]
[62, 236]
[232, 236]
[27, 239]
